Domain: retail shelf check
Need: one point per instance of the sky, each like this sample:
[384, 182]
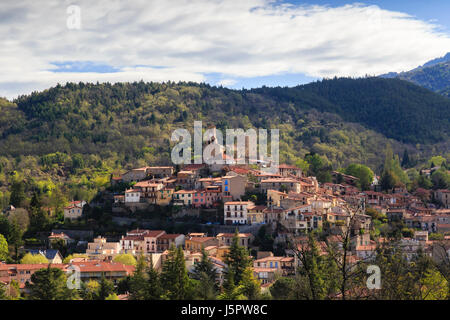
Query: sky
[236, 44]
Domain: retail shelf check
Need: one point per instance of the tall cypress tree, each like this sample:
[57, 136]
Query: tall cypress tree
[174, 278]
[154, 284]
[237, 259]
[405, 159]
[17, 197]
[138, 282]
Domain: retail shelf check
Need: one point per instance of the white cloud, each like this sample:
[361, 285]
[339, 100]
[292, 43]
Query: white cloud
[192, 38]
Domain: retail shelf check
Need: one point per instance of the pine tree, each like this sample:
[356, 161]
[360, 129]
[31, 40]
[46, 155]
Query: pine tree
[138, 284]
[106, 288]
[206, 288]
[49, 284]
[17, 197]
[204, 266]
[229, 289]
[405, 159]
[35, 202]
[154, 284]
[250, 286]
[237, 259]
[313, 269]
[388, 180]
[174, 278]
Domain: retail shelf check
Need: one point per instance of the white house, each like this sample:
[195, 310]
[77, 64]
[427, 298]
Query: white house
[235, 212]
[132, 196]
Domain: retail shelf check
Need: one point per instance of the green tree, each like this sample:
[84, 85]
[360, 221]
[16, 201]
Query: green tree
[17, 198]
[388, 180]
[434, 286]
[205, 289]
[4, 252]
[15, 238]
[250, 287]
[174, 277]
[424, 182]
[36, 201]
[106, 288]
[90, 290]
[363, 173]
[39, 220]
[282, 289]
[33, 259]
[138, 283]
[436, 161]
[440, 179]
[126, 258]
[49, 284]
[230, 291]
[205, 266]
[405, 160]
[3, 295]
[154, 291]
[237, 259]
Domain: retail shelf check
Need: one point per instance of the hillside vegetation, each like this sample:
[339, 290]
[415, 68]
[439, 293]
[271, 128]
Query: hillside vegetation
[433, 75]
[65, 142]
[346, 120]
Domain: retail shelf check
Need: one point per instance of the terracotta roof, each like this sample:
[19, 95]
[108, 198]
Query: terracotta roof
[154, 233]
[258, 269]
[170, 235]
[231, 235]
[289, 180]
[237, 202]
[288, 166]
[201, 239]
[269, 259]
[148, 183]
[101, 266]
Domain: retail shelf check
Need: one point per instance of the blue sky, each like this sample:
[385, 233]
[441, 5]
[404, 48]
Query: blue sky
[247, 43]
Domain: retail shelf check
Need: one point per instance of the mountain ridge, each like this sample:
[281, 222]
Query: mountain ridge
[433, 75]
[345, 120]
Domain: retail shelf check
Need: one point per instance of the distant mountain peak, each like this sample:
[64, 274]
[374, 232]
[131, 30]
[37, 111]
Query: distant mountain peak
[433, 62]
[433, 75]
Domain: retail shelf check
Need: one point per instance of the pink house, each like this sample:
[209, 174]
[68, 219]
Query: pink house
[206, 197]
[199, 198]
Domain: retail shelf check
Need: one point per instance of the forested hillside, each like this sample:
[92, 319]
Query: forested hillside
[433, 75]
[71, 138]
[134, 121]
[395, 108]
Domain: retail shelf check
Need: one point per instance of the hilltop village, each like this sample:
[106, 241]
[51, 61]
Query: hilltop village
[270, 215]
